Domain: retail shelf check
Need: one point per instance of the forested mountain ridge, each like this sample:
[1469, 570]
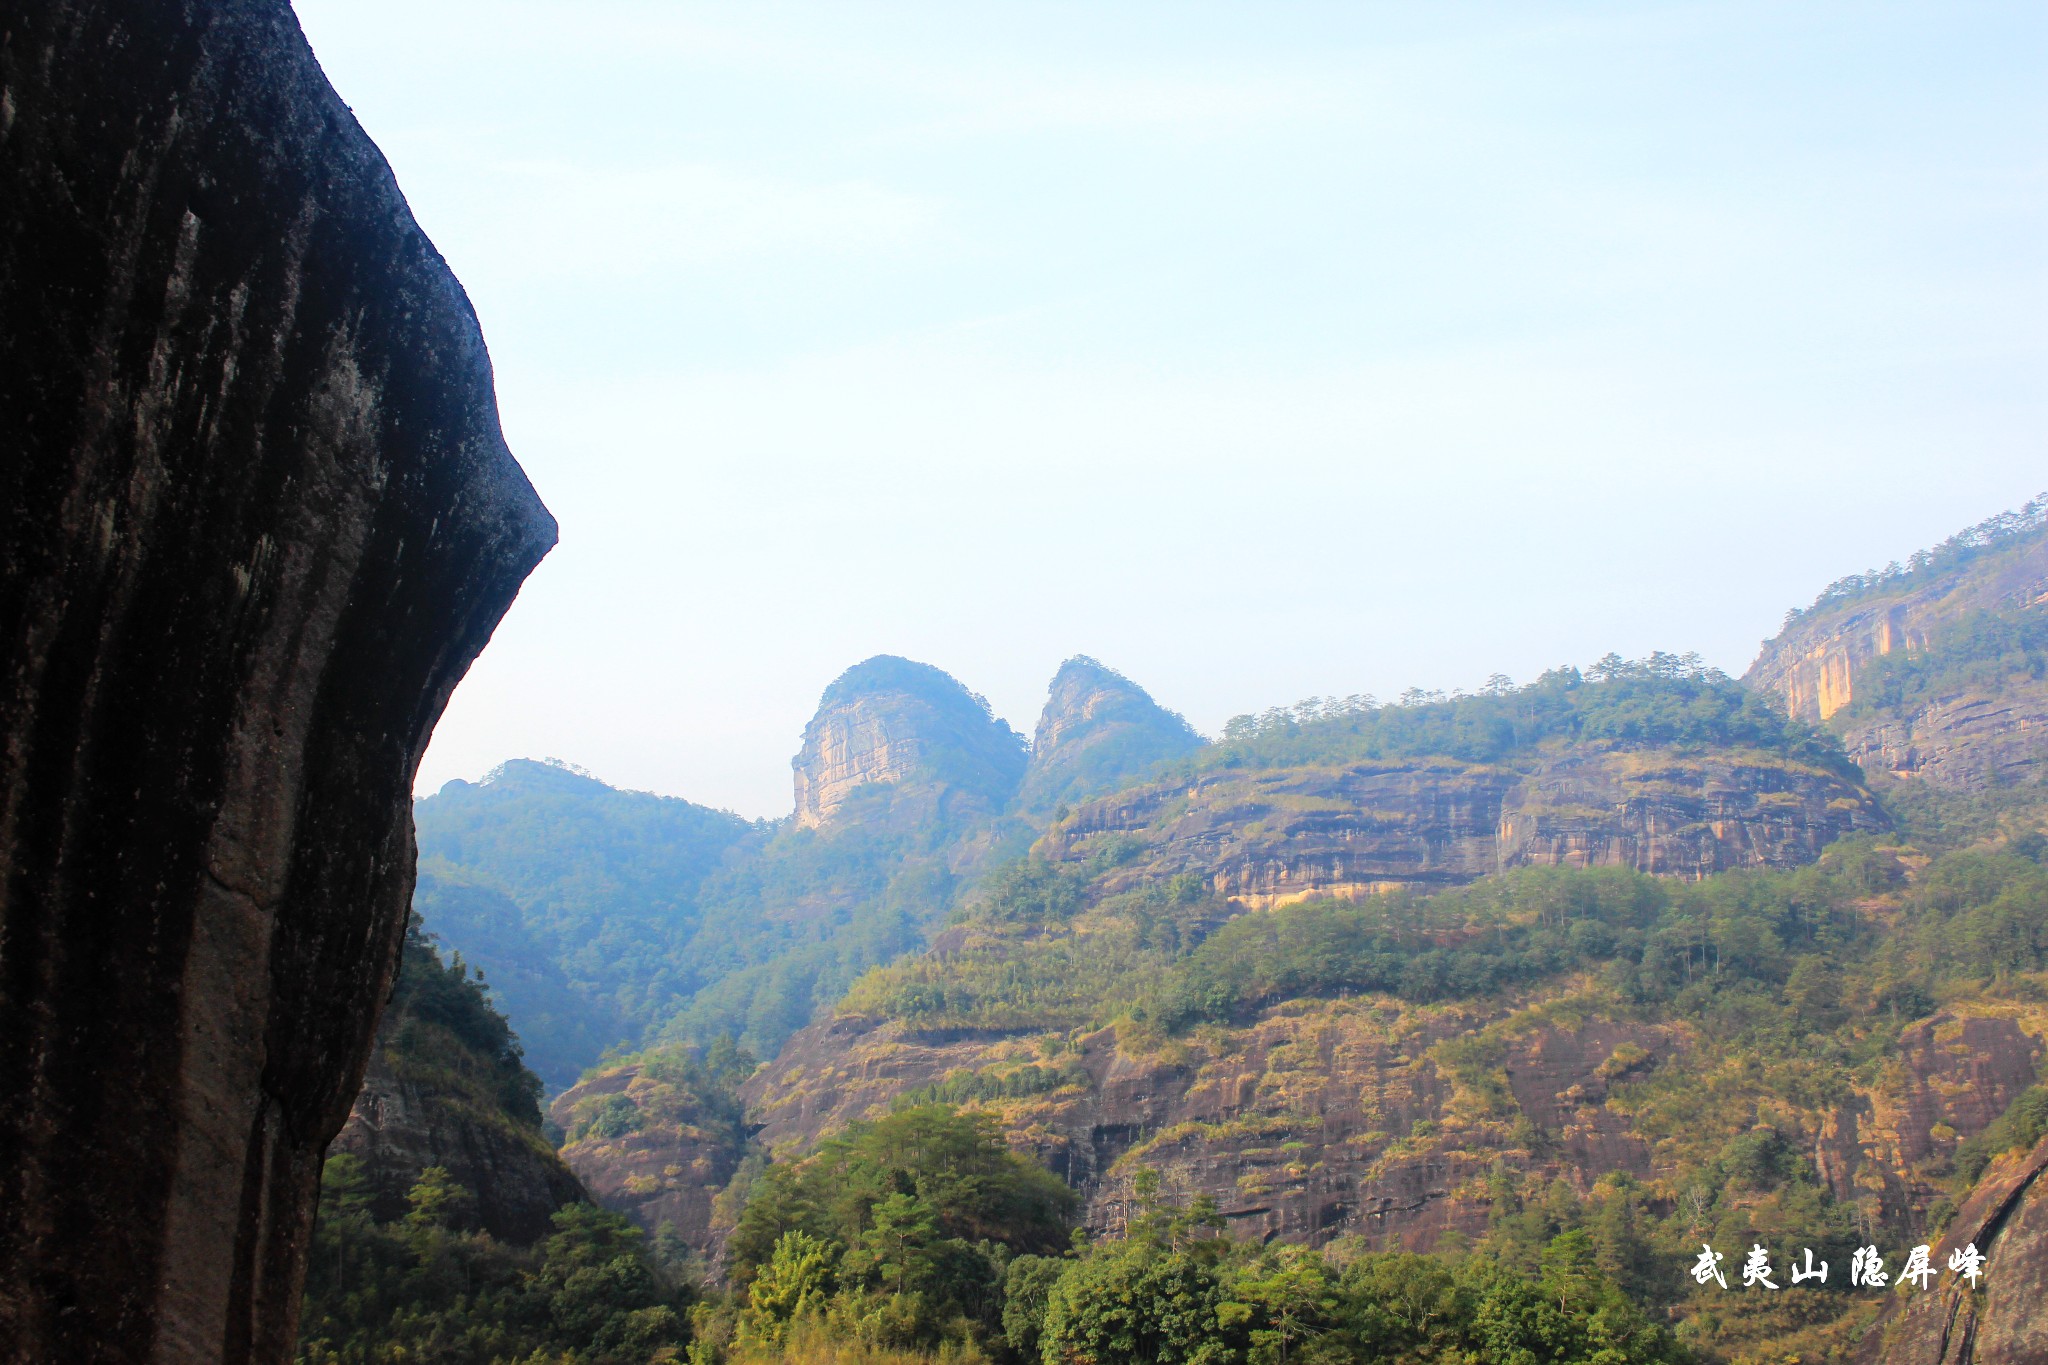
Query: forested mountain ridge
[1628, 954]
[447, 1088]
[448, 1229]
[582, 902]
[1097, 731]
[608, 918]
[612, 917]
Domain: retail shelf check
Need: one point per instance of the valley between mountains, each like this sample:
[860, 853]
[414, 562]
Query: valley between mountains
[1634, 956]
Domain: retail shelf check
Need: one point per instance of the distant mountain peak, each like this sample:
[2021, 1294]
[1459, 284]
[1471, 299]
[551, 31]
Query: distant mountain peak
[895, 721]
[1098, 730]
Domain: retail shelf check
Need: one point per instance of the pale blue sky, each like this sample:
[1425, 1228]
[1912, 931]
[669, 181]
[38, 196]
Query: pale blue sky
[1259, 350]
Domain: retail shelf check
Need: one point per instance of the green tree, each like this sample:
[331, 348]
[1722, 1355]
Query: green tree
[797, 1282]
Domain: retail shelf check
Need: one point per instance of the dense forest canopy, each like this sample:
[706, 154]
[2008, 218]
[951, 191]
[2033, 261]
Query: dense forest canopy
[1664, 699]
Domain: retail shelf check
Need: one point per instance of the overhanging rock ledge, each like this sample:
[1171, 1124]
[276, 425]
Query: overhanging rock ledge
[259, 520]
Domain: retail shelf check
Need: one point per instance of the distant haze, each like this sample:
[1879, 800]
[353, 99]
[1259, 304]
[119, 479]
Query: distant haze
[1258, 351]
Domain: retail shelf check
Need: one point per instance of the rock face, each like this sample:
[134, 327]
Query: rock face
[1984, 732]
[1302, 1126]
[1099, 730]
[1323, 1119]
[1271, 836]
[259, 520]
[658, 1142]
[409, 1116]
[1965, 740]
[892, 722]
[1955, 1073]
[2006, 1218]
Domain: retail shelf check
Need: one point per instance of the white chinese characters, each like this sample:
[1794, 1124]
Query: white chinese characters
[1866, 1267]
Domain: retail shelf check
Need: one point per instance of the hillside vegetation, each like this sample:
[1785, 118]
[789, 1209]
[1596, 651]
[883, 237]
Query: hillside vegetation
[1747, 1012]
[413, 1271]
[619, 919]
[1667, 700]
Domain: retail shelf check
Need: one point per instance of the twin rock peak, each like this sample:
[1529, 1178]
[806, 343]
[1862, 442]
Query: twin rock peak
[913, 736]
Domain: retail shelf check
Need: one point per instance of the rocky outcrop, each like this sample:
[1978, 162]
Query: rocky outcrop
[1951, 1076]
[1098, 732]
[1964, 740]
[891, 722]
[2000, 1322]
[1812, 664]
[1267, 837]
[657, 1140]
[407, 1118]
[259, 520]
[1973, 735]
[1322, 1119]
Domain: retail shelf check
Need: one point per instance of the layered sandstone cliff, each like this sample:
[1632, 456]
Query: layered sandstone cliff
[259, 520]
[894, 723]
[1267, 837]
[1329, 1118]
[1320, 1119]
[1986, 729]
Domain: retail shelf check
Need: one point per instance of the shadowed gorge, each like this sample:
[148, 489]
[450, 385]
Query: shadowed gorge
[260, 519]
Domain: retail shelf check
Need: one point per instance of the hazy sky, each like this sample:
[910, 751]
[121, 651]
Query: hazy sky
[1260, 351]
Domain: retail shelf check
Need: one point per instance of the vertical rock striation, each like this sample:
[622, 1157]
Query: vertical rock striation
[1985, 724]
[892, 722]
[259, 520]
[2000, 1322]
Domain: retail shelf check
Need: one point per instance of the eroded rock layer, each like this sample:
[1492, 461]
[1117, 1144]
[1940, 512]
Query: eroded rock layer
[259, 520]
[1363, 1117]
[890, 722]
[1983, 725]
[413, 1113]
[1270, 836]
[2001, 1322]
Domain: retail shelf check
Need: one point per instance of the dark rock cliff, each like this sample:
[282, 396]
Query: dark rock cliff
[2001, 1322]
[259, 520]
[1099, 731]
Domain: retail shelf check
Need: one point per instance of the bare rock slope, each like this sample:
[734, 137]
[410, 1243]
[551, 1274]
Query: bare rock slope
[2001, 1322]
[259, 519]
